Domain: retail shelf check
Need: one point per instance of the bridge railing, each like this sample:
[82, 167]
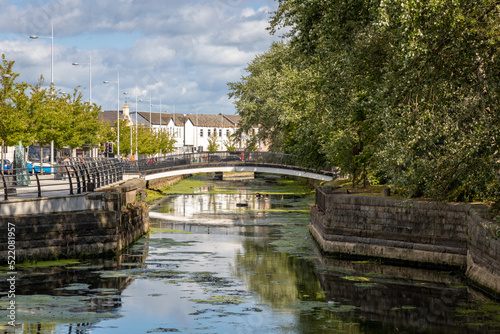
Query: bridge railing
[194, 160]
[68, 178]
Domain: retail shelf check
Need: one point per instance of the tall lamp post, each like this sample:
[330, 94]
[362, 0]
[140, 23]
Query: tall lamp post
[5, 78]
[136, 129]
[117, 112]
[130, 119]
[51, 75]
[90, 76]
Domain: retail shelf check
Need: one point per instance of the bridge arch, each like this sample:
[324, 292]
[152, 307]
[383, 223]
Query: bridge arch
[246, 168]
[211, 162]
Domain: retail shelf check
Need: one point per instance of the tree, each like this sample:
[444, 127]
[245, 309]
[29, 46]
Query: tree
[230, 143]
[403, 89]
[13, 107]
[83, 126]
[166, 141]
[212, 143]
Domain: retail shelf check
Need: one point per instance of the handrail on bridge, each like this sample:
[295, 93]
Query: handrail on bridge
[78, 175]
[207, 159]
[81, 175]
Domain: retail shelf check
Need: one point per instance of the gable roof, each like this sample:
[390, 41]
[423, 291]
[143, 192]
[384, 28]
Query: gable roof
[109, 116]
[200, 120]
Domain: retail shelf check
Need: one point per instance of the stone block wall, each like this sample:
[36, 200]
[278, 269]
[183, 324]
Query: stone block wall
[483, 252]
[88, 233]
[405, 230]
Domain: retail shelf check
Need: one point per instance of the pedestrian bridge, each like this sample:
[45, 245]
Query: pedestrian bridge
[213, 162]
[81, 176]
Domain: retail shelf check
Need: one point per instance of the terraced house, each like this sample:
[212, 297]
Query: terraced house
[192, 131]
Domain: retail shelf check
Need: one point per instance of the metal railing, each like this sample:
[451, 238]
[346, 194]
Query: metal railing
[81, 175]
[207, 159]
[76, 176]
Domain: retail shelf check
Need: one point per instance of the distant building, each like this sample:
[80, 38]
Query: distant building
[192, 131]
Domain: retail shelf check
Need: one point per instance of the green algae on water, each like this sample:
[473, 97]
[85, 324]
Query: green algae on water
[219, 300]
[186, 186]
[155, 230]
[57, 309]
[46, 264]
[313, 306]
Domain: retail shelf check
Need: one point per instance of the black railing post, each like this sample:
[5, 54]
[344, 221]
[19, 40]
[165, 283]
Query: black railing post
[77, 174]
[112, 171]
[70, 181]
[5, 187]
[38, 184]
[105, 170]
[87, 176]
[98, 174]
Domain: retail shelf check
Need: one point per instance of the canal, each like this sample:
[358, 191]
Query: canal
[235, 256]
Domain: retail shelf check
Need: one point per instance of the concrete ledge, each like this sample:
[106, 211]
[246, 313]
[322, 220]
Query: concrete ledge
[88, 225]
[40, 206]
[432, 233]
[388, 250]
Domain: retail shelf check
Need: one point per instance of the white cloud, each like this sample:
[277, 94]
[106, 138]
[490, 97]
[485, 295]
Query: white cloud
[182, 52]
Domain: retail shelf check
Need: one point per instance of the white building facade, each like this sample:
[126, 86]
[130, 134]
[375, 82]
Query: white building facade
[192, 131]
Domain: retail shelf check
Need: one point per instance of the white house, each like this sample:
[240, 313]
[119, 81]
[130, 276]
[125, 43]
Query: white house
[192, 131]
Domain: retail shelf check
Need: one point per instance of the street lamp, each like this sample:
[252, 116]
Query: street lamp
[136, 129]
[51, 75]
[117, 113]
[90, 76]
[51, 51]
[126, 93]
[4, 76]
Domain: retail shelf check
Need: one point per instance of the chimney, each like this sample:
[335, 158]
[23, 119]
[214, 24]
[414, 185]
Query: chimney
[126, 111]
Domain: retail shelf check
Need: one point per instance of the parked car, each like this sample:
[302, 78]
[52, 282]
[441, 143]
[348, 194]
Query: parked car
[214, 158]
[7, 166]
[35, 167]
[232, 158]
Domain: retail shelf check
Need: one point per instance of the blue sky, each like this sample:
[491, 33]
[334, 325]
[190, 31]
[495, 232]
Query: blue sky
[181, 52]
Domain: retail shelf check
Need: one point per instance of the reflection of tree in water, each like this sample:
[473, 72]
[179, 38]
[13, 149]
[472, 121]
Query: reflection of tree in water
[279, 279]
[285, 282]
[54, 295]
[391, 298]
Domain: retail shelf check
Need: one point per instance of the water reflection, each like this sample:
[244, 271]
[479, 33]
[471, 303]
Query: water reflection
[211, 266]
[67, 298]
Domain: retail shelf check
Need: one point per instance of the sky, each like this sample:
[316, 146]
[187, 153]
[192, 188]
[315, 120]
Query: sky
[177, 53]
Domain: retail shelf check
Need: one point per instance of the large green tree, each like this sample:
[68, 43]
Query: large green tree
[406, 90]
[13, 107]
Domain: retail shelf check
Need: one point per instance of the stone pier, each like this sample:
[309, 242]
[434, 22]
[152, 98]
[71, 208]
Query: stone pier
[87, 225]
[431, 233]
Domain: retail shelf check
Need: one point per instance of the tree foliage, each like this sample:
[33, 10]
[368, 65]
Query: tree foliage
[150, 141]
[406, 90]
[42, 114]
[213, 146]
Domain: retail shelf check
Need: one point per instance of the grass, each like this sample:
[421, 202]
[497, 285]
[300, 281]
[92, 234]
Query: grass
[345, 186]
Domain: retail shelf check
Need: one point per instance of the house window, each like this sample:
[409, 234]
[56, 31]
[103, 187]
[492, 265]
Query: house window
[208, 132]
[228, 133]
[201, 132]
[220, 132]
[215, 132]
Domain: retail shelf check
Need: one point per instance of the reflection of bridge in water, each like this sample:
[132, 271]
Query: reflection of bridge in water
[87, 175]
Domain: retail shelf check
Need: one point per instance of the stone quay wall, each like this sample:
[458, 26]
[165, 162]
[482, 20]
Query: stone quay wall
[115, 218]
[432, 233]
